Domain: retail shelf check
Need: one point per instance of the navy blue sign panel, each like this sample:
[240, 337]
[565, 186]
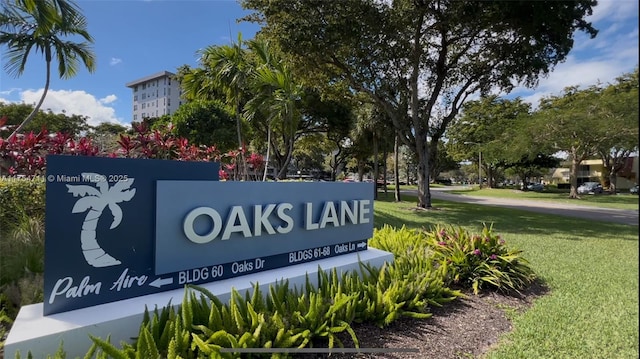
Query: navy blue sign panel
[103, 244]
[100, 224]
[205, 223]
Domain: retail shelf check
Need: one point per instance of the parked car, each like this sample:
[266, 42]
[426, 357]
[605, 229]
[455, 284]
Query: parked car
[634, 189]
[590, 187]
[535, 187]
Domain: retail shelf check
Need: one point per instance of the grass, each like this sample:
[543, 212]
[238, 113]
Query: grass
[590, 267]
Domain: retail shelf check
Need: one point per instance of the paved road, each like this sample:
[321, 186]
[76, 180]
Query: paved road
[629, 217]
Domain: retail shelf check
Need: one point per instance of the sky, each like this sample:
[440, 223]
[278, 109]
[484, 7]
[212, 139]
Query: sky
[136, 38]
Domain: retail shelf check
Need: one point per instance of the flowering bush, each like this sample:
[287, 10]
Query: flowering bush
[478, 260]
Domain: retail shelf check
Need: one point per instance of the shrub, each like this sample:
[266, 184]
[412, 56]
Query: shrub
[285, 317]
[409, 285]
[21, 264]
[476, 261]
[20, 197]
[5, 321]
[22, 249]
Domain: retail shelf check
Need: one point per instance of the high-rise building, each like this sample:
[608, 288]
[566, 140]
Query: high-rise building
[155, 95]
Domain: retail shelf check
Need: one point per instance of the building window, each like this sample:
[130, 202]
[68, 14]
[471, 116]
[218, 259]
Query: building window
[135, 107]
[169, 91]
[144, 96]
[168, 102]
[135, 98]
[135, 117]
[144, 86]
[135, 89]
[143, 105]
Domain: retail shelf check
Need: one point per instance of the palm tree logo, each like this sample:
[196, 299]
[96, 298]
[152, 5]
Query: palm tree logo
[95, 200]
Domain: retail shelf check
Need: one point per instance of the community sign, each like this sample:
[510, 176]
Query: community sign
[120, 228]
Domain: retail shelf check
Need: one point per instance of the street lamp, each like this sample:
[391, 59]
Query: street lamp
[479, 163]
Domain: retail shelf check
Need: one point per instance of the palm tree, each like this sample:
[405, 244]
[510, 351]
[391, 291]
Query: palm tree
[370, 130]
[95, 200]
[43, 25]
[228, 65]
[277, 97]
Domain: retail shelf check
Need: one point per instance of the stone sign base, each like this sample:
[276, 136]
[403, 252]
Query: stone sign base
[121, 320]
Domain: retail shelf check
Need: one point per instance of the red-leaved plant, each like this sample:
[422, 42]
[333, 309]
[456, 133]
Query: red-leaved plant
[25, 154]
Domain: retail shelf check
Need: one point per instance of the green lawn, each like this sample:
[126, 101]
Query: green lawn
[619, 201]
[591, 310]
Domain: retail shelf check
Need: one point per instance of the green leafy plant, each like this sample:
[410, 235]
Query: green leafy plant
[20, 197]
[5, 322]
[21, 263]
[408, 286]
[478, 261]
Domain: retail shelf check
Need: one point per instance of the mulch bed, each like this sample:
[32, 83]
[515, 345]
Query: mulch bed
[465, 328]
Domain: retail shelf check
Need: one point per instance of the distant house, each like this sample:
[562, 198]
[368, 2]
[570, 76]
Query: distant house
[155, 95]
[591, 170]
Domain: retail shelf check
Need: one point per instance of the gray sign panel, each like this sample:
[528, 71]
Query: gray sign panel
[207, 223]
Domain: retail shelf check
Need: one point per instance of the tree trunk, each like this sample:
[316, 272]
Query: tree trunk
[396, 167]
[613, 179]
[360, 169]
[240, 144]
[266, 162]
[384, 170]
[408, 174]
[334, 165]
[424, 195]
[491, 182]
[286, 160]
[37, 108]
[573, 176]
[376, 167]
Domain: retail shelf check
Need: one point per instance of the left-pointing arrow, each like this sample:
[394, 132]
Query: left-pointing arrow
[161, 281]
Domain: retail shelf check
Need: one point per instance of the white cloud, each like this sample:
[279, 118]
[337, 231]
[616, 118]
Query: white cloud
[614, 10]
[75, 103]
[10, 91]
[114, 61]
[574, 73]
[613, 52]
[108, 99]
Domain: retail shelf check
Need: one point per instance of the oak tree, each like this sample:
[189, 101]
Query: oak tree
[428, 54]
